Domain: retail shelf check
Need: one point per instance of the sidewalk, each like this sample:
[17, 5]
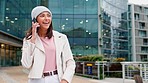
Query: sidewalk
[18, 75]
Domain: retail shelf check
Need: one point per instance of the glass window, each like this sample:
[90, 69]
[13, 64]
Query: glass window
[91, 7]
[67, 6]
[141, 25]
[146, 11]
[142, 33]
[143, 57]
[55, 6]
[115, 27]
[78, 19]
[15, 16]
[79, 7]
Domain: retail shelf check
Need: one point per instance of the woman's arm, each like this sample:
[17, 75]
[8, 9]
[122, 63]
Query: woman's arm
[68, 61]
[29, 47]
[27, 53]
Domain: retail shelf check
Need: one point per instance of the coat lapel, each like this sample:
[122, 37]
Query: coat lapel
[57, 43]
[39, 44]
[57, 38]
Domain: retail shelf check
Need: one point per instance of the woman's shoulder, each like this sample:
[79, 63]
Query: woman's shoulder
[56, 33]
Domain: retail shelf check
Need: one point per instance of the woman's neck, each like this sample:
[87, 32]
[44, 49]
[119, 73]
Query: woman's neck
[42, 33]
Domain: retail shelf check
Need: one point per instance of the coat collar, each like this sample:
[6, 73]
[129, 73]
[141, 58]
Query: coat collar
[57, 40]
[39, 44]
[56, 36]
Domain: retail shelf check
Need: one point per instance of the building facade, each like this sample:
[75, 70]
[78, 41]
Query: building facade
[92, 27]
[14, 21]
[113, 28]
[138, 29]
[78, 19]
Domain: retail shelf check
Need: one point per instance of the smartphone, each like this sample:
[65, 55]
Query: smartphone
[34, 20]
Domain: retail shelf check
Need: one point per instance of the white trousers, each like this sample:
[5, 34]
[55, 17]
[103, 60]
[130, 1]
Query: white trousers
[47, 79]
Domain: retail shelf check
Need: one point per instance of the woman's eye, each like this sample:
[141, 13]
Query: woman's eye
[49, 15]
[41, 15]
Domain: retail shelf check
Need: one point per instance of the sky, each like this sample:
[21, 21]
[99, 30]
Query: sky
[138, 1]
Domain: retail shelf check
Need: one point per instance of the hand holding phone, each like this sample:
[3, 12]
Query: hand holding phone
[34, 20]
[35, 25]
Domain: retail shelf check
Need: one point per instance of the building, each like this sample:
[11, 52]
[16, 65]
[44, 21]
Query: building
[113, 28]
[138, 29]
[78, 19]
[92, 27]
[14, 21]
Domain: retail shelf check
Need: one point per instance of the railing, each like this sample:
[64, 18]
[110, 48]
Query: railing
[86, 68]
[99, 65]
[129, 69]
[98, 69]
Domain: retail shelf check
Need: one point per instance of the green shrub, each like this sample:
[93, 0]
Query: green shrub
[90, 58]
[119, 59]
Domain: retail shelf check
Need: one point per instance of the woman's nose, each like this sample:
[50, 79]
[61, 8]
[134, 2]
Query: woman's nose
[47, 17]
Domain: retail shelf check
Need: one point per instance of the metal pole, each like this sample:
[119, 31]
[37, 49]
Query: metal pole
[123, 72]
[83, 68]
[103, 70]
[98, 70]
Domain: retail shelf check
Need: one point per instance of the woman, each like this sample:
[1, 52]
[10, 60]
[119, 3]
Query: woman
[45, 52]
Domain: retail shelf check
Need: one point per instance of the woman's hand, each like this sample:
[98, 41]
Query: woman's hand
[63, 81]
[34, 29]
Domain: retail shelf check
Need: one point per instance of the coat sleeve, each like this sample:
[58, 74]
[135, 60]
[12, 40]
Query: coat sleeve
[68, 61]
[27, 53]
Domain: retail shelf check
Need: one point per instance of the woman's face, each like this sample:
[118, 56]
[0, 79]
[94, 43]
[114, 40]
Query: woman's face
[44, 20]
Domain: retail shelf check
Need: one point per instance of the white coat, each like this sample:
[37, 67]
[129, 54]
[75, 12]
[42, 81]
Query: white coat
[33, 57]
